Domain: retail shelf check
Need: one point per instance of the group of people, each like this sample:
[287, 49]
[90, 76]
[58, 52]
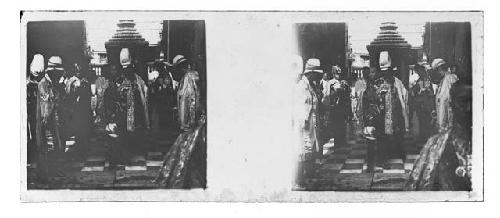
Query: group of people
[68, 103]
[321, 111]
[443, 107]
[56, 104]
[384, 108]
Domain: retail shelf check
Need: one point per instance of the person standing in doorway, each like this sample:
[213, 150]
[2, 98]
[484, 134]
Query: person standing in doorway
[444, 163]
[78, 107]
[443, 112]
[101, 84]
[359, 89]
[188, 94]
[422, 95]
[37, 73]
[386, 117]
[324, 108]
[48, 115]
[126, 110]
[162, 95]
[185, 162]
[306, 119]
[337, 102]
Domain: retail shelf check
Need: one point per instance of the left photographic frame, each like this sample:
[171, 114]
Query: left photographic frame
[114, 103]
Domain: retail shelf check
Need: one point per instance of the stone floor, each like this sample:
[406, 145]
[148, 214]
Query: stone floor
[345, 167]
[94, 170]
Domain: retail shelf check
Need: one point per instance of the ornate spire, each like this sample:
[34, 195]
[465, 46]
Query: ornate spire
[388, 38]
[126, 34]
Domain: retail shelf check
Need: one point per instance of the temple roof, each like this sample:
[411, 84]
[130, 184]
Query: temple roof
[126, 35]
[388, 38]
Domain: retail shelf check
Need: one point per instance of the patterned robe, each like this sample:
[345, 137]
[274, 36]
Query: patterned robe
[359, 90]
[126, 103]
[48, 114]
[385, 107]
[183, 159]
[443, 100]
[101, 84]
[445, 158]
[188, 100]
[31, 102]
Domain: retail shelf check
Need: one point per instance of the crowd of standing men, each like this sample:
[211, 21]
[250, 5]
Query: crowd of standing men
[321, 110]
[383, 110]
[66, 103]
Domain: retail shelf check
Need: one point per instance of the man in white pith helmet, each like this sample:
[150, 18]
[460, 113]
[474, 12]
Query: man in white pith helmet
[385, 104]
[188, 93]
[444, 114]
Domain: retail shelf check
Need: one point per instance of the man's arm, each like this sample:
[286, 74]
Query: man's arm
[370, 107]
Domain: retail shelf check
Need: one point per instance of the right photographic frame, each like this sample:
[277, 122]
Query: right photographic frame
[385, 103]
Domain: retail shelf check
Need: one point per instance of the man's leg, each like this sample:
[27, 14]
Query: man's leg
[393, 151]
[400, 146]
[396, 146]
[114, 152]
[42, 172]
[371, 156]
[382, 150]
[120, 146]
[59, 141]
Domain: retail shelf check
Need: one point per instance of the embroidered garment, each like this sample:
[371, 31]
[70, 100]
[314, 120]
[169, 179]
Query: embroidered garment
[126, 103]
[444, 162]
[101, 84]
[31, 103]
[359, 89]
[177, 162]
[385, 106]
[48, 115]
[437, 167]
[443, 107]
[188, 100]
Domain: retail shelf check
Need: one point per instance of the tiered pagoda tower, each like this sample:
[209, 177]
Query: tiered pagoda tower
[126, 36]
[399, 50]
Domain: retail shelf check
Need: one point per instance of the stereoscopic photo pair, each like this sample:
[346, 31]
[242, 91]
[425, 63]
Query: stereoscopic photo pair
[382, 101]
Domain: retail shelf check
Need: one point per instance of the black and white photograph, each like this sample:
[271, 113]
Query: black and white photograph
[251, 106]
[281, 108]
[116, 104]
[383, 105]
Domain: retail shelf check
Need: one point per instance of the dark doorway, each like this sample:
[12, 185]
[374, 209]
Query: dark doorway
[325, 41]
